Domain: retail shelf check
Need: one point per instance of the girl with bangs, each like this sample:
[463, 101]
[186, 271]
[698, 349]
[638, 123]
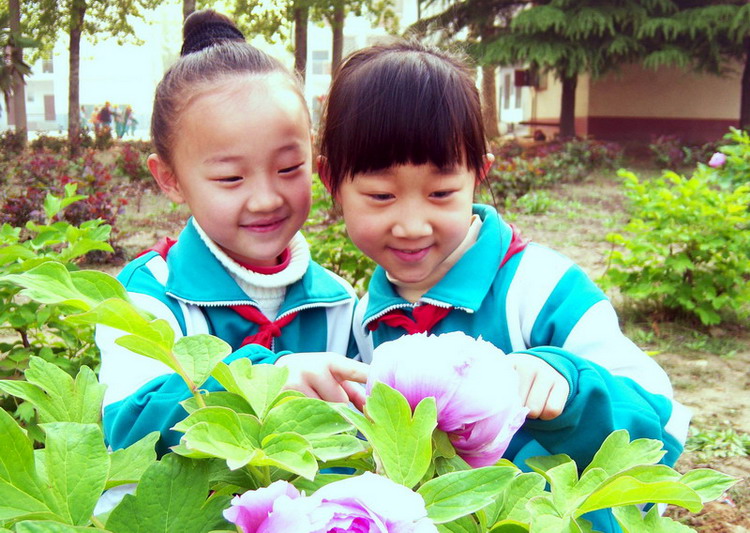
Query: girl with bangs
[402, 152]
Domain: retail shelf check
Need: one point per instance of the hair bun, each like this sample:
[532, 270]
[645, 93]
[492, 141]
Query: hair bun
[207, 28]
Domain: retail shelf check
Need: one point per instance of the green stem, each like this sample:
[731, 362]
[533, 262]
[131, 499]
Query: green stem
[98, 523]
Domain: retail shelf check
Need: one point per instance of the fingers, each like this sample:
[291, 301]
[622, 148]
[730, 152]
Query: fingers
[542, 389]
[356, 394]
[349, 370]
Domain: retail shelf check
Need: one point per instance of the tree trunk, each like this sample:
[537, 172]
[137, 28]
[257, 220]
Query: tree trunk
[337, 28]
[300, 40]
[745, 91]
[18, 87]
[489, 101]
[188, 6]
[568, 107]
[77, 12]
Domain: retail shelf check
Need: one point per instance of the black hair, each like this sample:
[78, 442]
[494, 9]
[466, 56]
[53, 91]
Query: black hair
[213, 48]
[401, 103]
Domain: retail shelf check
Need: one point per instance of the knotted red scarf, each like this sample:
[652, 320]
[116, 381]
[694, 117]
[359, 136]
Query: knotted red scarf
[268, 330]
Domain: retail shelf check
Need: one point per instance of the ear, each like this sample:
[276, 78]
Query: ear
[165, 178]
[488, 158]
[324, 172]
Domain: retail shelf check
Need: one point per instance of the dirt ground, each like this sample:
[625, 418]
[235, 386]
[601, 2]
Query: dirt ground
[714, 384]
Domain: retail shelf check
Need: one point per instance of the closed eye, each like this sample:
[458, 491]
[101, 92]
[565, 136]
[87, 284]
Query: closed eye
[441, 194]
[380, 197]
[289, 170]
[229, 179]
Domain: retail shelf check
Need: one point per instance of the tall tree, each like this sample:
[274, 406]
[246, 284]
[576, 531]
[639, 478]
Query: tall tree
[277, 22]
[78, 19]
[188, 6]
[571, 37]
[334, 12]
[15, 69]
[710, 37]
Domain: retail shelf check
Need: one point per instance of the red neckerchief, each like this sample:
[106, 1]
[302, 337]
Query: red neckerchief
[427, 315]
[268, 330]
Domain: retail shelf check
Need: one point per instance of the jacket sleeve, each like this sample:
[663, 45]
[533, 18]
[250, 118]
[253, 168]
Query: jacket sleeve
[567, 320]
[132, 410]
[598, 404]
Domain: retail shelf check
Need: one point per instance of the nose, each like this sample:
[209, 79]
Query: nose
[412, 224]
[264, 195]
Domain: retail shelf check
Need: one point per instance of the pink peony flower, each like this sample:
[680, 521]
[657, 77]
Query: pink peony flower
[360, 504]
[717, 160]
[475, 387]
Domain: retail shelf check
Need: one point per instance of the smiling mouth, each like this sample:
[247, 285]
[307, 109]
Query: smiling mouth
[264, 226]
[411, 255]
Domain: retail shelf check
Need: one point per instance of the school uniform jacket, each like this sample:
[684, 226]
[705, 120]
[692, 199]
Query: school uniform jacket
[191, 290]
[539, 302]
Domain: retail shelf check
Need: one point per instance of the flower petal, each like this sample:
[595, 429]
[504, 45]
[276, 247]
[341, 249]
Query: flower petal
[252, 508]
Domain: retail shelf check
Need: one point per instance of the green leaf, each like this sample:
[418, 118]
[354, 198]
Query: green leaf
[197, 355]
[457, 494]
[630, 519]
[220, 432]
[76, 466]
[47, 526]
[226, 399]
[52, 283]
[618, 453]
[626, 490]
[402, 442]
[258, 384]
[22, 493]
[129, 464]
[171, 496]
[12, 253]
[288, 451]
[334, 447]
[522, 489]
[309, 417]
[465, 524]
[709, 484]
[56, 396]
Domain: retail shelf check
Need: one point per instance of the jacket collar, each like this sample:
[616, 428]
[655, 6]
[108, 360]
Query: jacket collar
[196, 276]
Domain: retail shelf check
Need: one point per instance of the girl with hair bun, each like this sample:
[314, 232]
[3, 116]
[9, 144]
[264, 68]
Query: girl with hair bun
[231, 133]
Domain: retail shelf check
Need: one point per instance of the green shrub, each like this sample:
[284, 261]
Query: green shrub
[29, 328]
[735, 168]
[686, 249]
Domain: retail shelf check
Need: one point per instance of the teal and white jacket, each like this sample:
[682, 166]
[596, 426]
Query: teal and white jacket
[191, 289]
[539, 302]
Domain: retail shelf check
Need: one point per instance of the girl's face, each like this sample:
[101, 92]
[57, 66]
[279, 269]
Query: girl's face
[242, 163]
[408, 218]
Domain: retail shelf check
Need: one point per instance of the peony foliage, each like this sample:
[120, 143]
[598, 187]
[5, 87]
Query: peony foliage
[263, 459]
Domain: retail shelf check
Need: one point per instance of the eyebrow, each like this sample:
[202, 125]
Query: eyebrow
[291, 147]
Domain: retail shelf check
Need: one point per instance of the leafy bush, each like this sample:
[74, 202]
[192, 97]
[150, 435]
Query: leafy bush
[541, 165]
[49, 143]
[11, 144]
[253, 435]
[735, 168]
[31, 329]
[718, 442]
[131, 164]
[686, 249]
[671, 152]
[330, 245]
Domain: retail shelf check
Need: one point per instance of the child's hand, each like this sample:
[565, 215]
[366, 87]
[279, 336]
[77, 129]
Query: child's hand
[543, 388]
[326, 375]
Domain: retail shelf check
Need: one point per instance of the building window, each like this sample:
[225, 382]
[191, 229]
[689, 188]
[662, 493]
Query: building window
[321, 62]
[29, 95]
[49, 107]
[47, 66]
[518, 97]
